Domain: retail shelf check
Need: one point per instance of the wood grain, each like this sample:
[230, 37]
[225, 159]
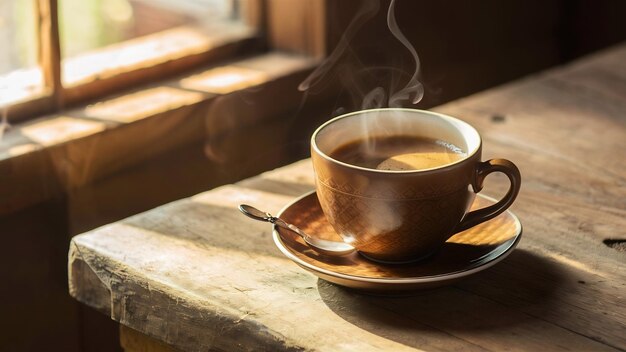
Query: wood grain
[196, 274]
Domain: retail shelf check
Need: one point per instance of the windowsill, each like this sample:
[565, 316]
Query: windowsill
[151, 50]
[113, 68]
[66, 151]
[110, 69]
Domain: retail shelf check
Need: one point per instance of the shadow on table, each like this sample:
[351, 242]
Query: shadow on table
[521, 289]
[292, 189]
[214, 221]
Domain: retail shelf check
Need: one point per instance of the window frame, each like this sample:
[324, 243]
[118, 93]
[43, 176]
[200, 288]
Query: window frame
[28, 162]
[55, 96]
[48, 52]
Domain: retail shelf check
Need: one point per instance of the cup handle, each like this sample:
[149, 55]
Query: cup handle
[483, 169]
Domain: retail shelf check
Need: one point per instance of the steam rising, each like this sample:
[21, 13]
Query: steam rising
[414, 86]
[356, 81]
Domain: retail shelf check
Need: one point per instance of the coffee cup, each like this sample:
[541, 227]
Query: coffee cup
[400, 207]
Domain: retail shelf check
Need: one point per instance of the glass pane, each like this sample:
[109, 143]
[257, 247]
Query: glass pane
[20, 77]
[88, 26]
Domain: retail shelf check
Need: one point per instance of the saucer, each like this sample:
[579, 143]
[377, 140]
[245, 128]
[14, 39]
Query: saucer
[464, 254]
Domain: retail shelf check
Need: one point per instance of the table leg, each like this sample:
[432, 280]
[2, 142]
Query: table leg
[135, 341]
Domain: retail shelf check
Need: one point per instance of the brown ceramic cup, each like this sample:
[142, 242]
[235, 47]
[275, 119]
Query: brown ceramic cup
[403, 216]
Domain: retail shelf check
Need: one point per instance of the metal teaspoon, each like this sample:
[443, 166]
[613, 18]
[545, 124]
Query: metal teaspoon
[321, 246]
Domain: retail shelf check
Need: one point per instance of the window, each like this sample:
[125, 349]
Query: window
[20, 74]
[61, 52]
[249, 43]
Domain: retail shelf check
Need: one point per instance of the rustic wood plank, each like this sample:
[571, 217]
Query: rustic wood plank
[196, 274]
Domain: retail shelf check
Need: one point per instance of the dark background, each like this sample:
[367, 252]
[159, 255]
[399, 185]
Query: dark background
[468, 46]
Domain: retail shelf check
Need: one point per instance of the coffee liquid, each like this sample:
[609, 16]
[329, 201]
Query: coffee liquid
[398, 153]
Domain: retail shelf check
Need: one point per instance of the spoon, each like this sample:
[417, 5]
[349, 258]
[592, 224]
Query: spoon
[321, 246]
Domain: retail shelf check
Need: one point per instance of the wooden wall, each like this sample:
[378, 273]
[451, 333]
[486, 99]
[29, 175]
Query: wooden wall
[467, 46]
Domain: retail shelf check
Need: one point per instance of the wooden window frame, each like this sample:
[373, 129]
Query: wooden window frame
[54, 96]
[48, 52]
[294, 48]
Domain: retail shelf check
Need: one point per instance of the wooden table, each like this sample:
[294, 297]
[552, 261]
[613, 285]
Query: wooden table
[197, 275]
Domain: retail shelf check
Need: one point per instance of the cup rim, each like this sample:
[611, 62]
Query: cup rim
[469, 155]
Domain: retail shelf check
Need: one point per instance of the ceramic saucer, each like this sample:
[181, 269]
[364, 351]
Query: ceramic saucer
[464, 254]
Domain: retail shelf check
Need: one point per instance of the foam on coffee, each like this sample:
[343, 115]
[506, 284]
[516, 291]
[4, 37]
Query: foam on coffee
[398, 153]
[431, 155]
